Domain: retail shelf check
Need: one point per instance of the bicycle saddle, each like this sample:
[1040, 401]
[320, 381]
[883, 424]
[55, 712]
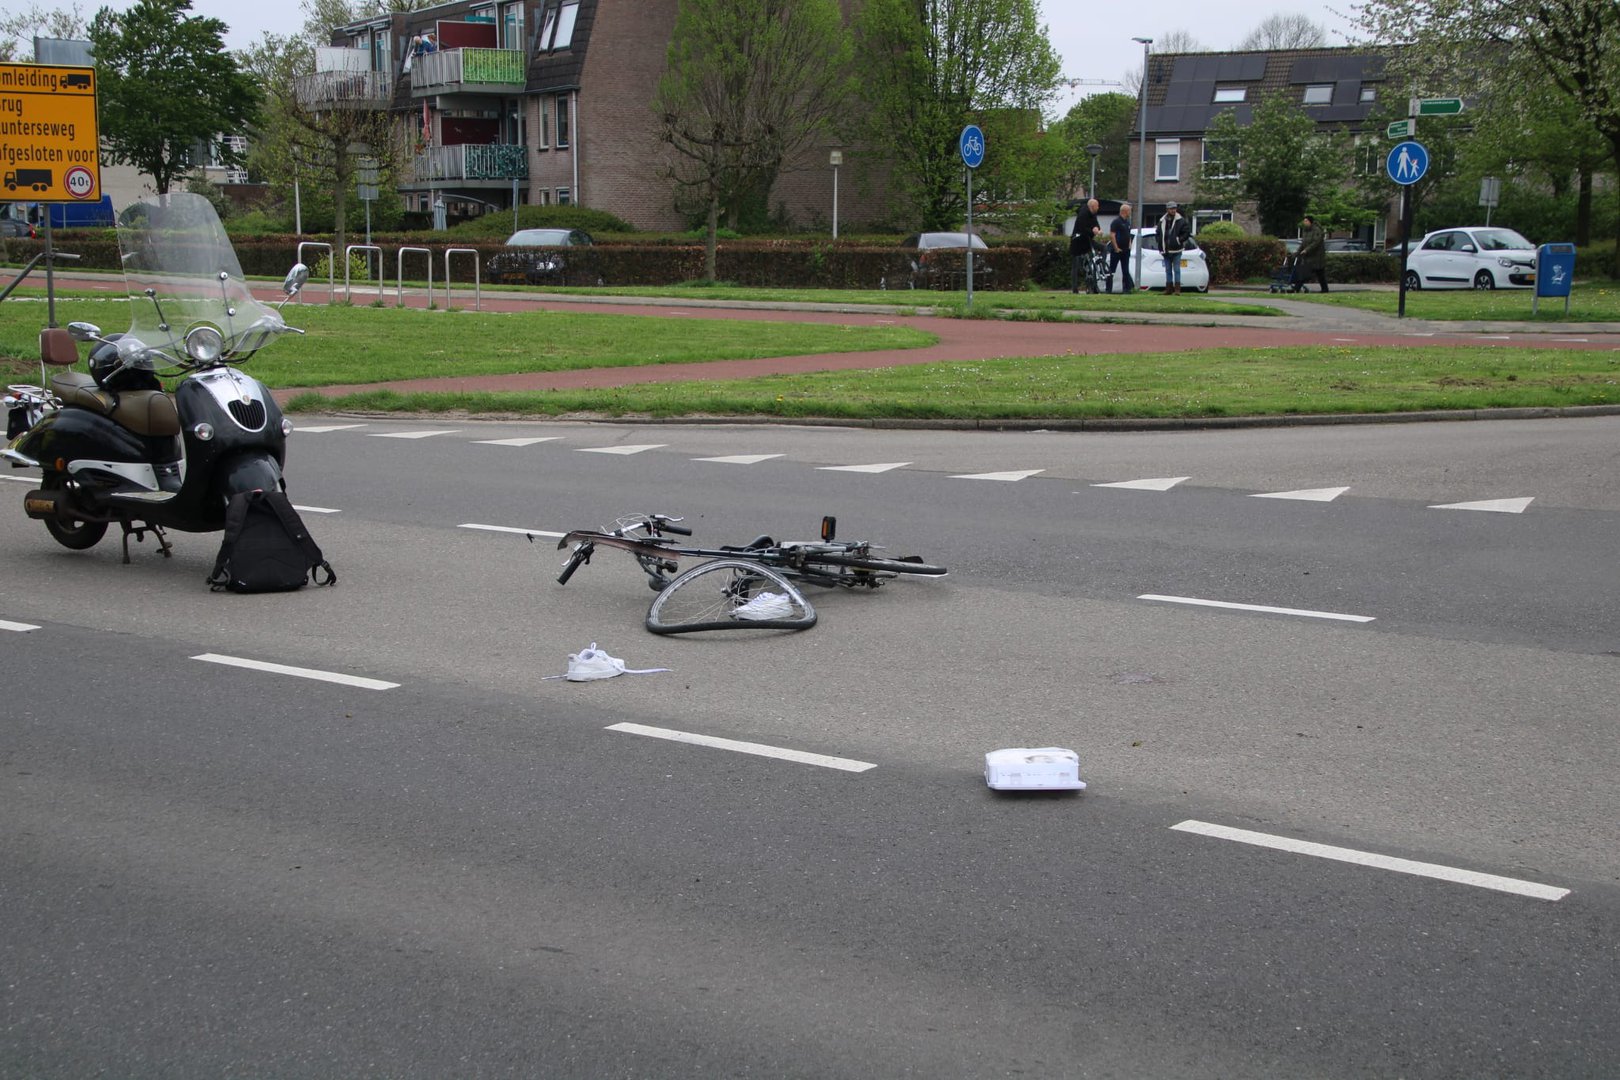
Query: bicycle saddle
[755, 544]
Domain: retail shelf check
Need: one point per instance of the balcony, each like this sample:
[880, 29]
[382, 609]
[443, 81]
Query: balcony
[470, 163]
[477, 71]
[344, 90]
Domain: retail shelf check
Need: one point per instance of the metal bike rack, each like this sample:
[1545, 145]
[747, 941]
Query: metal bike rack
[399, 295]
[478, 292]
[331, 270]
[351, 249]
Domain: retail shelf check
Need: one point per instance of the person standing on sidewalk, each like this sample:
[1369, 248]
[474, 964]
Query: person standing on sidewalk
[1312, 261]
[1119, 251]
[1081, 241]
[1173, 233]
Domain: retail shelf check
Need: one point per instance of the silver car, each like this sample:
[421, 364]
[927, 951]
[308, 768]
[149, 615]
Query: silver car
[1472, 258]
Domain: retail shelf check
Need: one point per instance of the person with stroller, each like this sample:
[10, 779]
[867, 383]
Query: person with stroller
[1173, 233]
[1082, 243]
[1311, 262]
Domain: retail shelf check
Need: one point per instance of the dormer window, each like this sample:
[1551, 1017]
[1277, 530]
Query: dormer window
[1230, 95]
[1321, 94]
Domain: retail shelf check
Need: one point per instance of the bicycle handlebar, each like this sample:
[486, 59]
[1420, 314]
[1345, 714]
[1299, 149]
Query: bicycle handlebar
[581, 556]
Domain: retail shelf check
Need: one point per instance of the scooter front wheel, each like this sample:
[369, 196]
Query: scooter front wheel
[77, 535]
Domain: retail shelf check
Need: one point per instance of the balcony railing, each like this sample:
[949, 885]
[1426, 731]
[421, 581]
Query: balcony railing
[495, 71]
[345, 90]
[471, 161]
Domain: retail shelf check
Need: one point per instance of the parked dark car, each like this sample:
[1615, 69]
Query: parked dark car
[938, 260]
[1347, 245]
[16, 227]
[536, 259]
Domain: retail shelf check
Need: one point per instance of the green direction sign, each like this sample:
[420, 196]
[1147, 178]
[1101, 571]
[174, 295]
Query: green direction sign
[1440, 106]
[1401, 129]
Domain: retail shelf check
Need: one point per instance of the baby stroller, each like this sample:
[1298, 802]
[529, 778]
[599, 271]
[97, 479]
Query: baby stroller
[1286, 278]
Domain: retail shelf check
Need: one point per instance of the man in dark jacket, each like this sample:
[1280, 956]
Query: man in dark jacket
[1173, 233]
[1312, 259]
[1081, 241]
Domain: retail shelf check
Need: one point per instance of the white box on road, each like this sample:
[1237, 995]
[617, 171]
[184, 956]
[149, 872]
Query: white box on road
[1022, 768]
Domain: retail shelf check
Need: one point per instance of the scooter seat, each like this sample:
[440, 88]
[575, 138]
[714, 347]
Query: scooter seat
[77, 388]
[147, 412]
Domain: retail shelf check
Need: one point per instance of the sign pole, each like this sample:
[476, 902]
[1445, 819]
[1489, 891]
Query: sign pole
[1406, 235]
[970, 239]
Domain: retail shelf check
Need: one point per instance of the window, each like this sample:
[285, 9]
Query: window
[1220, 159]
[1321, 94]
[512, 26]
[1229, 94]
[564, 197]
[544, 142]
[565, 25]
[557, 25]
[1167, 158]
[1369, 93]
[562, 121]
[545, 196]
[1369, 159]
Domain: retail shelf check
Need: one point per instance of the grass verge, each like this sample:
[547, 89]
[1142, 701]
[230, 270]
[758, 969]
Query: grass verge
[1591, 301]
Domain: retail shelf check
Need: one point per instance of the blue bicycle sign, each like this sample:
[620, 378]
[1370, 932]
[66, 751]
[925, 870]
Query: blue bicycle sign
[972, 146]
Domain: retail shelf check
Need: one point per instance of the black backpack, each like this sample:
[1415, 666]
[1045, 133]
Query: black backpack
[266, 547]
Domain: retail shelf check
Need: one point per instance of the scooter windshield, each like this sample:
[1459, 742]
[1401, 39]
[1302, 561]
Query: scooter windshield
[184, 280]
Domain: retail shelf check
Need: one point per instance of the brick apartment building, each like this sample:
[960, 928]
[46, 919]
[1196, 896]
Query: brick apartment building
[554, 95]
[1337, 87]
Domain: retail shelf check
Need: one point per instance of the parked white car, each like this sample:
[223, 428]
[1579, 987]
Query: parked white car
[1194, 270]
[1472, 258]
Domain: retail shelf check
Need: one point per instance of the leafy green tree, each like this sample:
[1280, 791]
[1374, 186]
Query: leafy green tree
[1102, 120]
[1279, 161]
[166, 85]
[750, 84]
[930, 67]
[1461, 46]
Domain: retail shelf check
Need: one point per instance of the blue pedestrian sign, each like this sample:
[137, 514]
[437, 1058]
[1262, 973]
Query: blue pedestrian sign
[972, 146]
[1407, 162]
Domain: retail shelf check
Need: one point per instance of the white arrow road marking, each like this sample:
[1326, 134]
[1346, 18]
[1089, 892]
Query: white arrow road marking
[327, 427]
[864, 468]
[740, 459]
[518, 442]
[1531, 889]
[1256, 607]
[302, 673]
[510, 529]
[1496, 506]
[619, 449]
[1305, 495]
[411, 434]
[1020, 474]
[315, 510]
[759, 749]
[20, 627]
[1164, 483]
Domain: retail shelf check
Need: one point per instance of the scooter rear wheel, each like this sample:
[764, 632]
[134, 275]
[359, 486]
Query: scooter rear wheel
[77, 535]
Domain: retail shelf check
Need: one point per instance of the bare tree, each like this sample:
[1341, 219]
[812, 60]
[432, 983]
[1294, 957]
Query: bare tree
[1285, 32]
[18, 31]
[1171, 41]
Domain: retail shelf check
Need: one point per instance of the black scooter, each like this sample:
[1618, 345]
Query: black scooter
[116, 447]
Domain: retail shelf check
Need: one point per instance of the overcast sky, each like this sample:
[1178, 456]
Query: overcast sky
[1093, 41]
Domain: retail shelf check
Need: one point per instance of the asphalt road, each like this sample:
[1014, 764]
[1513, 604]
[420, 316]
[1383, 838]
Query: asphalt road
[212, 869]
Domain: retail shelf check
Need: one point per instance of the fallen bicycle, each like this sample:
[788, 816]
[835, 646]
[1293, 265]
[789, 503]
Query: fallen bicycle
[751, 586]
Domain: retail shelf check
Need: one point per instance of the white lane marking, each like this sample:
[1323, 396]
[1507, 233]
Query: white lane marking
[302, 673]
[1012, 477]
[620, 449]
[510, 529]
[740, 459]
[315, 509]
[1581, 340]
[20, 627]
[864, 468]
[22, 479]
[411, 434]
[1256, 607]
[1163, 483]
[1305, 494]
[1531, 889]
[518, 442]
[1495, 506]
[1493, 337]
[1109, 330]
[323, 428]
[1346, 339]
[759, 749]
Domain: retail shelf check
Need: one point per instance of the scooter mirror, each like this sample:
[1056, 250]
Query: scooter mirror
[84, 331]
[296, 277]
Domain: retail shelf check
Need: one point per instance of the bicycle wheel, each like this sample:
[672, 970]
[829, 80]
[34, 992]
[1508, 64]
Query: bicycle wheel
[729, 594]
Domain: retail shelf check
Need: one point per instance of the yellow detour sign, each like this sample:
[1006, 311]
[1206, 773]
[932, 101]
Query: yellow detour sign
[48, 140]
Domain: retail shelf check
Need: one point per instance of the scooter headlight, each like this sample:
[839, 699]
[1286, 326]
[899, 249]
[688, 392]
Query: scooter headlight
[286, 427]
[204, 432]
[204, 344]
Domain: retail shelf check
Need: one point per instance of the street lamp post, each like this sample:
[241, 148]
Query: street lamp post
[1095, 150]
[1141, 161]
[835, 159]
